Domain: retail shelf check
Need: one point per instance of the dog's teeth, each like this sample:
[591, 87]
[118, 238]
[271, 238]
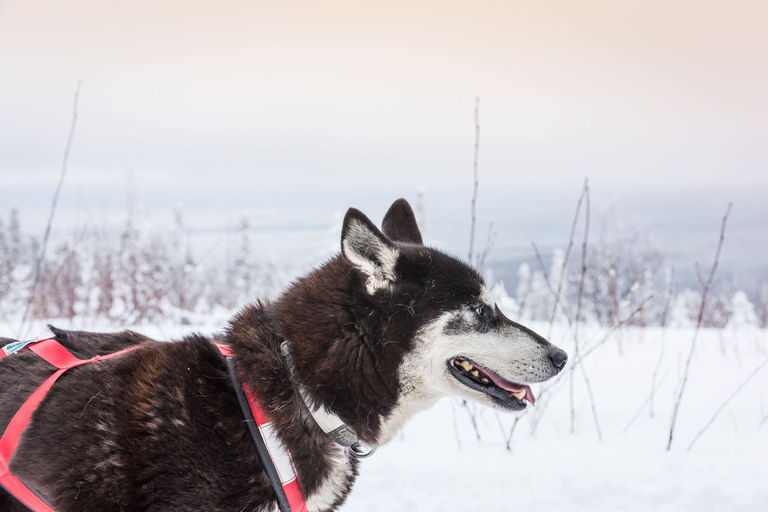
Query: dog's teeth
[519, 394]
[485, 380]
[465, 365]
[474, 373]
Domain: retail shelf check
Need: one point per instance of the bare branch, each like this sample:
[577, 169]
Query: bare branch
[698, 275]
[578, 322]
[727, 401]
[592, 404]
[648, 401]
[565, 258]
[44, 246]
[583, 266]
[664, 316]
[554, 384]
[474, 167]
[613, 329]
[549, 285]
[704, 294]
[490, 241]
[512, 430]
[455, 425]
[472, 417]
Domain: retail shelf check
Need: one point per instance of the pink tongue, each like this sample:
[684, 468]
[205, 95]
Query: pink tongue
[529, 395]
[499, 381]
[503, 384]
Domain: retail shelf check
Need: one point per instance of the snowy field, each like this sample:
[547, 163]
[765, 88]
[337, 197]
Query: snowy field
[551, 469]
[437, 463]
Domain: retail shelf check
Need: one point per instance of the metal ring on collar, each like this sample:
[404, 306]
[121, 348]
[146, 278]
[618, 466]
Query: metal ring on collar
[360, 453]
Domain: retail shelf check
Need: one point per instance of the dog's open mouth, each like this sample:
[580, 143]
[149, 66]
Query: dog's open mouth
[507, 394]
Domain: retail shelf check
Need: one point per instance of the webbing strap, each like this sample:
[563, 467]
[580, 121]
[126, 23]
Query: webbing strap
[10, 440]
[54, 353]
[275, 458]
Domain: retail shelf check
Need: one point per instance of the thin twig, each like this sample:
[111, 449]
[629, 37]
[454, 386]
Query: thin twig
[583, 266]
[455, 425]
[512, 430]
[475, 170]
[553, 386]
[490, 241]
[699, 320]
[727, 401]
[578, 320]
[647, 402]
[472, 418]
[44, 245]
[592, 403]
[565, 258]
[543, 266]
[664, 316]
[549, 285]
[501, 425]
[472, 228]
[698, 275]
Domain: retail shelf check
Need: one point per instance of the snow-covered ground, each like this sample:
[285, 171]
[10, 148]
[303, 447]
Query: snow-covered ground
[437, 463]
[554, 470]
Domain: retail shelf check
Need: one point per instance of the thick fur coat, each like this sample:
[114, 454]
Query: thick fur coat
[373, 334]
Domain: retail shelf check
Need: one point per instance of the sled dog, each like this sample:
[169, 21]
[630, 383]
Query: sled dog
[368, 339]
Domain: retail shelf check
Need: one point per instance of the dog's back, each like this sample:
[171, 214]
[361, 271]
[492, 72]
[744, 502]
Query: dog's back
[155, 428]
[22, 373]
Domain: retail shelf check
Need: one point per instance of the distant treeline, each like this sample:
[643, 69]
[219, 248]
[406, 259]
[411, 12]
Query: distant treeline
[147, 274]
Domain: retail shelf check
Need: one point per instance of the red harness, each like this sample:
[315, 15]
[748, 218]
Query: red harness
[278, 464]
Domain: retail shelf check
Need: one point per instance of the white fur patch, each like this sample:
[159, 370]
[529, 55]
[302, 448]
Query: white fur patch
[361, 246]
[335, 484]
[486, 297]
[424, 375]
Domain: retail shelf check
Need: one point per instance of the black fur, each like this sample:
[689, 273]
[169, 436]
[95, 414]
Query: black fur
[400, 223]
[159, 428]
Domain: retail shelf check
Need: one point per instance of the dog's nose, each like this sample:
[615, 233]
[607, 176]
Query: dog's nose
[558, 357]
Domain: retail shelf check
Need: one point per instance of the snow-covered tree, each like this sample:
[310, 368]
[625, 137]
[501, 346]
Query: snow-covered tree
[762, 311]
[540, 301]
[555, 272]
[742, 312]
[5, 270]
[523, 289]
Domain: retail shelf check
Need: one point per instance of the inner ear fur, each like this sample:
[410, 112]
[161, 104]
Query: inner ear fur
[369, 250]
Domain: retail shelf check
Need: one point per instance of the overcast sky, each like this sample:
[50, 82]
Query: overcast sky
[652, 92]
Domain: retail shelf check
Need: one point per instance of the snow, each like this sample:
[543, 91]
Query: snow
[554, 470]
[424, 469]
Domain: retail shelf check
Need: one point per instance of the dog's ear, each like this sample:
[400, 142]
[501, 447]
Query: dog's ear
[400, 223]
[369, 250]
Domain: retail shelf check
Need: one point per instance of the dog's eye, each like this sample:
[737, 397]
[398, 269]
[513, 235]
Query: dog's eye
[480, 310]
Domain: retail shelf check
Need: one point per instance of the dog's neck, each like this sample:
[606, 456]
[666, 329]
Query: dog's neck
[344, 364]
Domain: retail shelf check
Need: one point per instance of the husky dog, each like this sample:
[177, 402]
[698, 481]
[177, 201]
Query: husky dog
[375, 335]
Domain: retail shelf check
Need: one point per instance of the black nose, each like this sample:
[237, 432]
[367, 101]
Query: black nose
[558, 357]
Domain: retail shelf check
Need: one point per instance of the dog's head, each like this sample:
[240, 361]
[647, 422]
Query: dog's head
[457, 341]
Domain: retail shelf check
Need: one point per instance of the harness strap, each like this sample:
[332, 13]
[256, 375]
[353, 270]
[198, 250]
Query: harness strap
[274, 457]
[54, 353]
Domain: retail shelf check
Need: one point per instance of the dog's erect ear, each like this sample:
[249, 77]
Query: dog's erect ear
[400, 223]
[369, 250]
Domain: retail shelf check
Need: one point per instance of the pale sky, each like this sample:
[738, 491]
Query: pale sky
[658, 92]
